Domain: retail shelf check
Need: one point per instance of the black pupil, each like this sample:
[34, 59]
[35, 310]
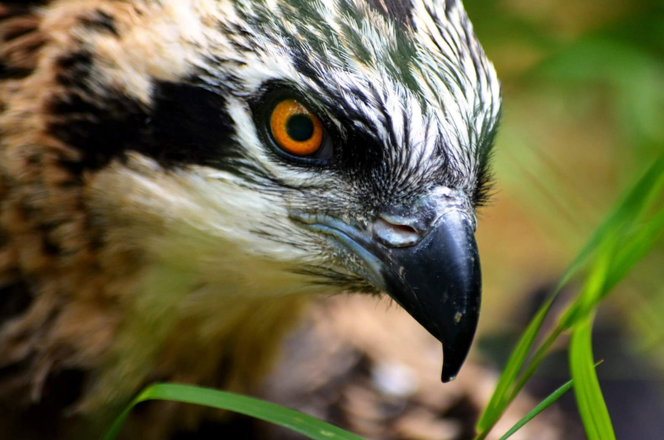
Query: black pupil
[300, 128]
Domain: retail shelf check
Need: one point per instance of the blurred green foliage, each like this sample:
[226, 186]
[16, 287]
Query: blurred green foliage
[583, 87]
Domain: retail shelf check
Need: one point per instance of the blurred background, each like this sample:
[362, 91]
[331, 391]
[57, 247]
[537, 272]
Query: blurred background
[583, 85]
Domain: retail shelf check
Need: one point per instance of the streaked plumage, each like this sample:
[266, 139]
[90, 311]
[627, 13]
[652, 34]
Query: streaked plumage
[147, 230]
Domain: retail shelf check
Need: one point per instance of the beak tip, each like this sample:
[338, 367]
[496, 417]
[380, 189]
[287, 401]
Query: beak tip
[450, 371]
[455, 351]
[447, 379]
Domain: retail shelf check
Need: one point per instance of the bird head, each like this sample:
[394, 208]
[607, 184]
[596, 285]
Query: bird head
[298, 146]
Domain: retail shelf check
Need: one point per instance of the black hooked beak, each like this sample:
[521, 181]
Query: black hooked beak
[428, 263]
[438, 281]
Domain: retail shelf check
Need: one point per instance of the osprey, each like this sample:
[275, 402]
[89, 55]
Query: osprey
[178, 177]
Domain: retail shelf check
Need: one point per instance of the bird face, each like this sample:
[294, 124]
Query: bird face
[309, 146]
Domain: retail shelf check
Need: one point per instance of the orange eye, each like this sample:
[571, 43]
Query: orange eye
[295, 129]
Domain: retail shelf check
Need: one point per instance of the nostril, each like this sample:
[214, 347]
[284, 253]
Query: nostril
[404, 229]
[394, 235]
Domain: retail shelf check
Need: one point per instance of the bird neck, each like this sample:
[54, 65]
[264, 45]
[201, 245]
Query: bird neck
[182, 330]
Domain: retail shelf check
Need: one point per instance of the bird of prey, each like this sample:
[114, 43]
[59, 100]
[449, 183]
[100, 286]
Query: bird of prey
[179, 177]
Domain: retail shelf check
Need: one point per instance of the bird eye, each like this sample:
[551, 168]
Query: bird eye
[295, 129]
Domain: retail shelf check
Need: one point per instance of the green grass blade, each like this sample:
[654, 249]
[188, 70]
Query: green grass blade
[538, 409]
[630, 209]
[506, 390]
[594, 414]
[260, 409]
[639, 244]
[501, 395]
